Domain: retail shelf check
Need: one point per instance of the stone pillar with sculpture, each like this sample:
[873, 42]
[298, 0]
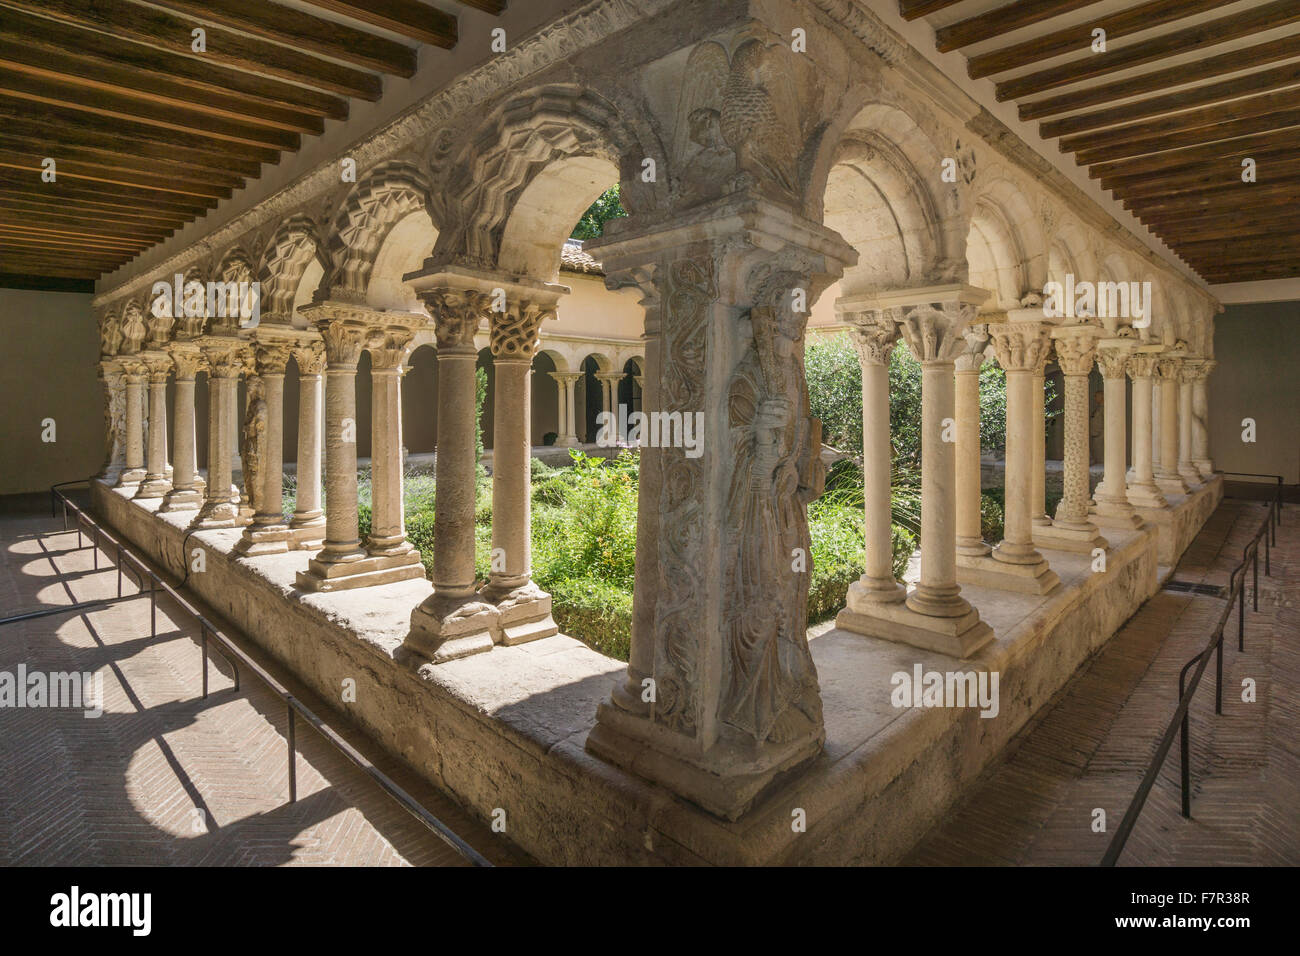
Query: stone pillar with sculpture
[731, 702]
[263, 453]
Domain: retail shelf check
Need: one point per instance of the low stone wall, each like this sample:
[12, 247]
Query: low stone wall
[505, 731]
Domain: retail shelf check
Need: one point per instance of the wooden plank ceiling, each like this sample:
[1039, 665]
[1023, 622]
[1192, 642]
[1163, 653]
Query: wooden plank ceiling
[148, 134]
[1185, 91]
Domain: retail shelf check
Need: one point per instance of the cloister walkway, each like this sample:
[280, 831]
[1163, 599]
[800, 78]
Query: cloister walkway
[1091, 745]
[164, 777]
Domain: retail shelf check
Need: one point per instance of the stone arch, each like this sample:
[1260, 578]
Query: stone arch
[132, 324]
[531, 171]
[1004, 220]
[875, 179]
[558, 358]
[288, 253]
[389, 193]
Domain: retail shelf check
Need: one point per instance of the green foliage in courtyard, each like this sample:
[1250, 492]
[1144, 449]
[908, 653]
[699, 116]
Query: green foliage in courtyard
[592, 223]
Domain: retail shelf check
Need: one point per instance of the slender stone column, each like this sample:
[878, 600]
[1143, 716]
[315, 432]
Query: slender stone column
[1168, 480]
[389, 346]
[1071, 529]
[135, 374]
[514, 338]
[874, 334]
[1038, 473]
[1142, 490]
[1113, 508]
[1200, 372]
[970, 540]
[1188, 471]
[1015, 564]
[268, 533]
[308, 522]
[567, 381]
[1157, 419]
[186, 493]
[114, 383]
[225, 359]
[454, 621]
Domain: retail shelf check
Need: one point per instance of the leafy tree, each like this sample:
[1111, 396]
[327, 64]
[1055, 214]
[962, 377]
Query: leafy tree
[592, 223]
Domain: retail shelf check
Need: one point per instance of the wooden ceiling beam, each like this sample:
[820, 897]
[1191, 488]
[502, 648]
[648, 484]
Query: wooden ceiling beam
[107, 165]
[1206, 117]
[915, 9]
[1283, 76]
[1238, 196]
[1200, 135]
[1079, 37]
[59, 40]
[1228, 177]
[70, 222]
[76, 257]
[128, 21]
[1252, 275]
[88, 73]
[1194, 156]
[38, 240]
[1174, 228]
[1001, 21]
[1212, 32]
[494, 7]
[270, 21]
[179, 119]
[39, 139]
[61, 123]
[13, 183]
[1219, 170]
[90, 174]
[408, 18]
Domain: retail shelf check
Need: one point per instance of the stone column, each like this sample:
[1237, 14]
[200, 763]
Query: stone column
[1157, 418]
[1168, 480]
[1142, 490]
[874, 334]
[734, 699]
[135, 372]
[187, 489]
[307, 526]
[1186, 469]
[1038, 473]
[1113, 508]
[268, 533]
[454, 621]
[389, 345]
[514, 338]
[567, 381]
[1071, 528]
[225, 360]
[970, 540]
[609, 382]
[935, 615]
[114, 384]
[1020, 346]
[1200, 372]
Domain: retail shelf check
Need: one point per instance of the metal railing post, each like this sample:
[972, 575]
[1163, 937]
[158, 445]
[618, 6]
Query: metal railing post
[203, 641]
[1184, 746]
[293, 759]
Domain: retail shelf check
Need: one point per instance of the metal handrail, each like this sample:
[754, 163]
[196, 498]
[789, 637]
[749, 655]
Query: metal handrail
[1180, 721]
[228, 650]
[1277, 494]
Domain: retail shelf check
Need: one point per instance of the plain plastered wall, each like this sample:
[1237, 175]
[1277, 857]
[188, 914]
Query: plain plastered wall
[1258, 377]
[50, 356]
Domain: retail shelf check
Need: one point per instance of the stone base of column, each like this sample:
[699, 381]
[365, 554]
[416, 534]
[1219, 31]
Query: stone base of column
[565, 442]
[1172, 484]
[734, 775]
[989, 572]
[265, 539]
[221, 514]
[246, 515]
[154, 486]
[448, 628]
[130, 476]
[1040, 521]
[1114, 513]
[1205, 467]
[865, 593]
[1191, 475]
[182, 499]
[955, 636]
[972, 548]
[307, 530]
[1082, 538]
[364, 572]
[525, 612]
[1146, 496]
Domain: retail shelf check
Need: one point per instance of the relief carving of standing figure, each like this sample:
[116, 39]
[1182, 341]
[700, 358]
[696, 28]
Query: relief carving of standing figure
[254, 440]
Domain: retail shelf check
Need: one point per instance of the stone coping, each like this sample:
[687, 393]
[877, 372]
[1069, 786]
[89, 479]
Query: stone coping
[506, 729]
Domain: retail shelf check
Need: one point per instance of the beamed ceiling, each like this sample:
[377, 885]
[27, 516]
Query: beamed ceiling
[148, 135]
[1185, 91]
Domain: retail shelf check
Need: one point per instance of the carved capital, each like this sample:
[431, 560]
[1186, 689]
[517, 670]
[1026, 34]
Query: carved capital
[159, 330]
[271, 359]
[516, 332]
[933, 332]
[343, 342]
[159, 368]
[1076, 345]
[1142, 365]
[874, 333]
[188, 361]
[310, 358]
[1020, 346]
[389, 346]
[973, 355]
[1197, 370]
[225, 358]
[1169, 368]
[457, 315]
[1113, 362]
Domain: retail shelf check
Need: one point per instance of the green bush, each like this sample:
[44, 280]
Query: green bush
[595, 612]
[991, 517]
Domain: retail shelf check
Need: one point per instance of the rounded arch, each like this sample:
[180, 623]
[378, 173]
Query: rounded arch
[532, 169]
[133, 327]
[1004, 219]
[285, 260]
[558, 359]
[408, 243]
[388, 194]
[874, 179]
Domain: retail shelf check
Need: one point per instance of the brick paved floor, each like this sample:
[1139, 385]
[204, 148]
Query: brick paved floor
[164, 777]
[1091, 746]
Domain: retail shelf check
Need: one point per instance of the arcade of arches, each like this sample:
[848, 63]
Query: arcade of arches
[787, 190]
